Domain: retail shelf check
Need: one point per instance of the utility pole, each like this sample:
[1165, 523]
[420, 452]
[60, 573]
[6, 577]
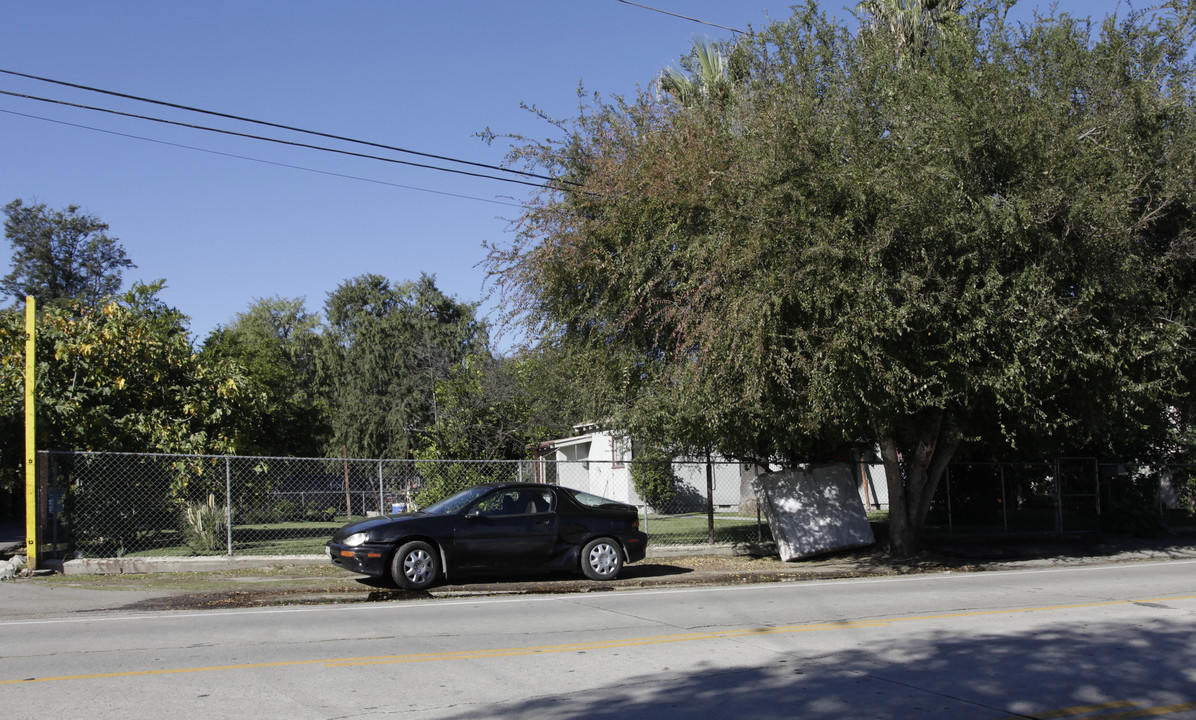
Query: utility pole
[31, 539]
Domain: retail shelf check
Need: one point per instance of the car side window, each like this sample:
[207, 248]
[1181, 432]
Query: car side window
[517, 502]
[538, 501]
[500, 503]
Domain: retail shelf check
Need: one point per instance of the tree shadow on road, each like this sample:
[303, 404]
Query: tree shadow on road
[1148, 668]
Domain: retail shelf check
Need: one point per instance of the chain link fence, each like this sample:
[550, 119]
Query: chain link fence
[684, 502]
[117, 504]
[114, 504]
[1065, 495]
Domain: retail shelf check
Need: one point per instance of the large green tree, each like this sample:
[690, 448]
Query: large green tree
[60, 256]
[120, 376]
[275, 341]
[987, 239]
[498, 408]
[385, 346]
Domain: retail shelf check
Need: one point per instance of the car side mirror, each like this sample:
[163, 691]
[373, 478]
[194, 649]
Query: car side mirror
[473, 514]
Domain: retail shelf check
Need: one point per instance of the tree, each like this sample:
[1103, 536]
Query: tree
[121, 377]
[913, 25]
[496, 408]
[275, 342]
[384, 348]
[61, 256]
[493, 408]
[983, 242]
[708, 82]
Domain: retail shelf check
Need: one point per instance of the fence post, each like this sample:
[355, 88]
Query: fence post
[381, 499]
[228, 502]
[1058, 499]
[1158, 487]
[1004, 500]
[709, 499]
[950, 516]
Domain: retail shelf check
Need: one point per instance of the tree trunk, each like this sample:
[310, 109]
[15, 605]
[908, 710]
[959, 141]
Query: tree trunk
[912, 476]
[902, 541]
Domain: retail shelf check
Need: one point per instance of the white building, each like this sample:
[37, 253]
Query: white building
[598, 461]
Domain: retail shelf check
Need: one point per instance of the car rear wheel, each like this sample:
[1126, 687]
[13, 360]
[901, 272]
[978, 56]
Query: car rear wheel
[602, 559]
[415, 566]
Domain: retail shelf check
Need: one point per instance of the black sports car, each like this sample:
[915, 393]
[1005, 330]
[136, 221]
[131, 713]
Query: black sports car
[490, 527]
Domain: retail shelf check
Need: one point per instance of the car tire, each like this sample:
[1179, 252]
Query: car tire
[415, 566]
[602, 559]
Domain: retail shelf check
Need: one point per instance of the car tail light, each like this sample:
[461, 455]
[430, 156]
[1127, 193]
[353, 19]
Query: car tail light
[635, 524]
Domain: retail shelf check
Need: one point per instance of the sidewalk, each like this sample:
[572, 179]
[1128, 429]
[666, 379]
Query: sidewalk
[148, 584]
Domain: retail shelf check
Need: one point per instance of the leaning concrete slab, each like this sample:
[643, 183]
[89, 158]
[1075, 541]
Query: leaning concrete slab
[813, 511]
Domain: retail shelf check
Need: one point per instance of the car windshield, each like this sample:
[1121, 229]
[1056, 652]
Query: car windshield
[458, 502]
[592, 500]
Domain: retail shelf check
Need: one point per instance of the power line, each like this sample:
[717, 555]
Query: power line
[270, 139]
[266, 123]
[215, 152]
[683, 17]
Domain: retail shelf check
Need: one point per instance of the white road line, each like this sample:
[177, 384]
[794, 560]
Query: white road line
[794, 585]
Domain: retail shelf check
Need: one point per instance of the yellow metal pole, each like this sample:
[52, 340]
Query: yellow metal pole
[31, 544]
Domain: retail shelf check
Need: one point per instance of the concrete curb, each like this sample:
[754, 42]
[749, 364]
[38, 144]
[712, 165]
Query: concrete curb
[1147, 550]
[138, 565]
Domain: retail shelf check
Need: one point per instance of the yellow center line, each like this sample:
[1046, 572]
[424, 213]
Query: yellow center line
[1149, 712]
[1076, 710]
[578, 647]
[1137, 712]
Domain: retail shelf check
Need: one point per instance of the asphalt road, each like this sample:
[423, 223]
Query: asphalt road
[1106, 642]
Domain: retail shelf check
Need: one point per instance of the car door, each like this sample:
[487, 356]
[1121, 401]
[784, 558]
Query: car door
[511, 527]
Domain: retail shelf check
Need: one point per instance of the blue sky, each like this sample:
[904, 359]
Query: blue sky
[222, 230]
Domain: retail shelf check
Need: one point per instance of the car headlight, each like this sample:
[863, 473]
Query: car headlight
[356, 539]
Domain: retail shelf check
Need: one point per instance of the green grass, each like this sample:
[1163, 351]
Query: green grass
[287, 538]
[308, 538]
[693, 529]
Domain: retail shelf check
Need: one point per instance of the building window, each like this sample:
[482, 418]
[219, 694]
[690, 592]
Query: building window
[618, 452]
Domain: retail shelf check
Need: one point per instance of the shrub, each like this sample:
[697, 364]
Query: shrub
[654, 480]
[203, 526]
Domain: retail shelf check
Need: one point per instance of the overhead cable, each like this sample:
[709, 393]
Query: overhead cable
[683, 17]
[270, 139]
[279, 126]
[215, 152]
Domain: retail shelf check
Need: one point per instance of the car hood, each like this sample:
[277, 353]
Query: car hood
[371, 523]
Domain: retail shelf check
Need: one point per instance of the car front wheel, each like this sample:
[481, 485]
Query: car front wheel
[414, 566]
[601, 559]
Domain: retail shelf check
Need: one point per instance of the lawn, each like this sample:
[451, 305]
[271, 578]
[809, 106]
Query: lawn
[308, 538]
[693, 529]
[288, 538]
